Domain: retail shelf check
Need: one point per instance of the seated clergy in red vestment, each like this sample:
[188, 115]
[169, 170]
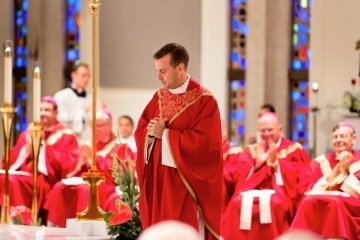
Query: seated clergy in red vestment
[58, 156]
[332, 207]
[230, 155]
[70, 195]
[269, 177]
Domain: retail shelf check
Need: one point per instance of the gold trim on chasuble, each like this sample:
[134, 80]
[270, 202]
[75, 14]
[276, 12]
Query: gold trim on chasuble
[53, 138]
[327, 171]
[171, 106]
[281, 154]
[232, 150]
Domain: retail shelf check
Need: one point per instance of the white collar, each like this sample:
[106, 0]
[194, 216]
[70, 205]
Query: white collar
[182, 88]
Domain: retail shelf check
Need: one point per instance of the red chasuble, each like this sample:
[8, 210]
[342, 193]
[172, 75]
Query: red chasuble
[191, 188]
[331, 214]
[61, 154]
[231, 156]
[74, 198]
[293, 164]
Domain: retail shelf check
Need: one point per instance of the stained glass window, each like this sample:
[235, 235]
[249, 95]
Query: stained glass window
[301, 35]
[299, 73]
[72, 35]
[237, 111]
[300, 112]
[239, 31]
[20, 65]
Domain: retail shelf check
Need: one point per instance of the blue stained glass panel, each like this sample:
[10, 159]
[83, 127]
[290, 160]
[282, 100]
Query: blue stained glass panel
[239, 32]
[304, 102]
[296, 64]
[243, 63]
[295, 95]
[303, 85]
[300, 117]
[236, 25]
[235, 56]
[25, 4]
[21, 62]
[244, 28]
[241, 130]
[235, 85]
[294, 135]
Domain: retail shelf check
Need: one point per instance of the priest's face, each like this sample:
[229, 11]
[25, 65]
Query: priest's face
[103, 130]
[169, 76]
[343, 139]
[269, 128]
[47, 114]
[80, 78]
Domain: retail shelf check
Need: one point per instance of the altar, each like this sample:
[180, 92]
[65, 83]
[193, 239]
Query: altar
[22, 232]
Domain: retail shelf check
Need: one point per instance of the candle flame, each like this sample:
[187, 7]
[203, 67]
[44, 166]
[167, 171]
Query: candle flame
[7, 52]
[315, 87]
[37, 72]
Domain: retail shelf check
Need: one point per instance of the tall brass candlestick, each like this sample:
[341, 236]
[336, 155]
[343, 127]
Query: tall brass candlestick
[315, 111]
[93, 176]
[7, 120]
[35, 131]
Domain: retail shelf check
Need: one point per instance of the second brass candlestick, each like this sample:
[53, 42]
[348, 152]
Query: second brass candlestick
[35, 131]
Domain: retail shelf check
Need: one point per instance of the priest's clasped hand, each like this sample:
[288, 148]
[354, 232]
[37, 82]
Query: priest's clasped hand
[156, 127]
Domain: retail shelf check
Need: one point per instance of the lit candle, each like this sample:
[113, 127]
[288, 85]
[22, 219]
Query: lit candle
[8, 77]
[315, 87]
[36, 96]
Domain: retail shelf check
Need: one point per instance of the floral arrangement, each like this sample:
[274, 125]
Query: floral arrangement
[125, 222]
[351, 100]
[20, 215]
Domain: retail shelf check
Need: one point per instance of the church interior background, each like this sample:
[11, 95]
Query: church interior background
[247, 52]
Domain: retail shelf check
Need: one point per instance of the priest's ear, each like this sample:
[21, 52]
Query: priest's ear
[181, 67]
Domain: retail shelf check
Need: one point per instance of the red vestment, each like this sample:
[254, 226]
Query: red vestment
[293, 164]
[191, 187]
[61, 155]
[231, 155]
[331, 214]
[71, 199]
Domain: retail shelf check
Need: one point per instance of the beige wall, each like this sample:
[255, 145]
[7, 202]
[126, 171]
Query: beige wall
[209, 63]
[335, 29]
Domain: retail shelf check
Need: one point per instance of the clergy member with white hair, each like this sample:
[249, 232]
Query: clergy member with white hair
[332, 207]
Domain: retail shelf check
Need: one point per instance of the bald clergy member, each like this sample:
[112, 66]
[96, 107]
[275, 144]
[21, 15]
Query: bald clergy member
[332, 207]
[269, 179]
[179, 163]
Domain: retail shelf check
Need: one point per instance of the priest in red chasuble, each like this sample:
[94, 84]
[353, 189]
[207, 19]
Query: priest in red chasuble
[70, 195]
[332, 207]
[179, 162]
[58, 155]
[270, 177]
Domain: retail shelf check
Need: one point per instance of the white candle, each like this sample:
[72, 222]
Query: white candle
[8, 77]
[36, 96]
